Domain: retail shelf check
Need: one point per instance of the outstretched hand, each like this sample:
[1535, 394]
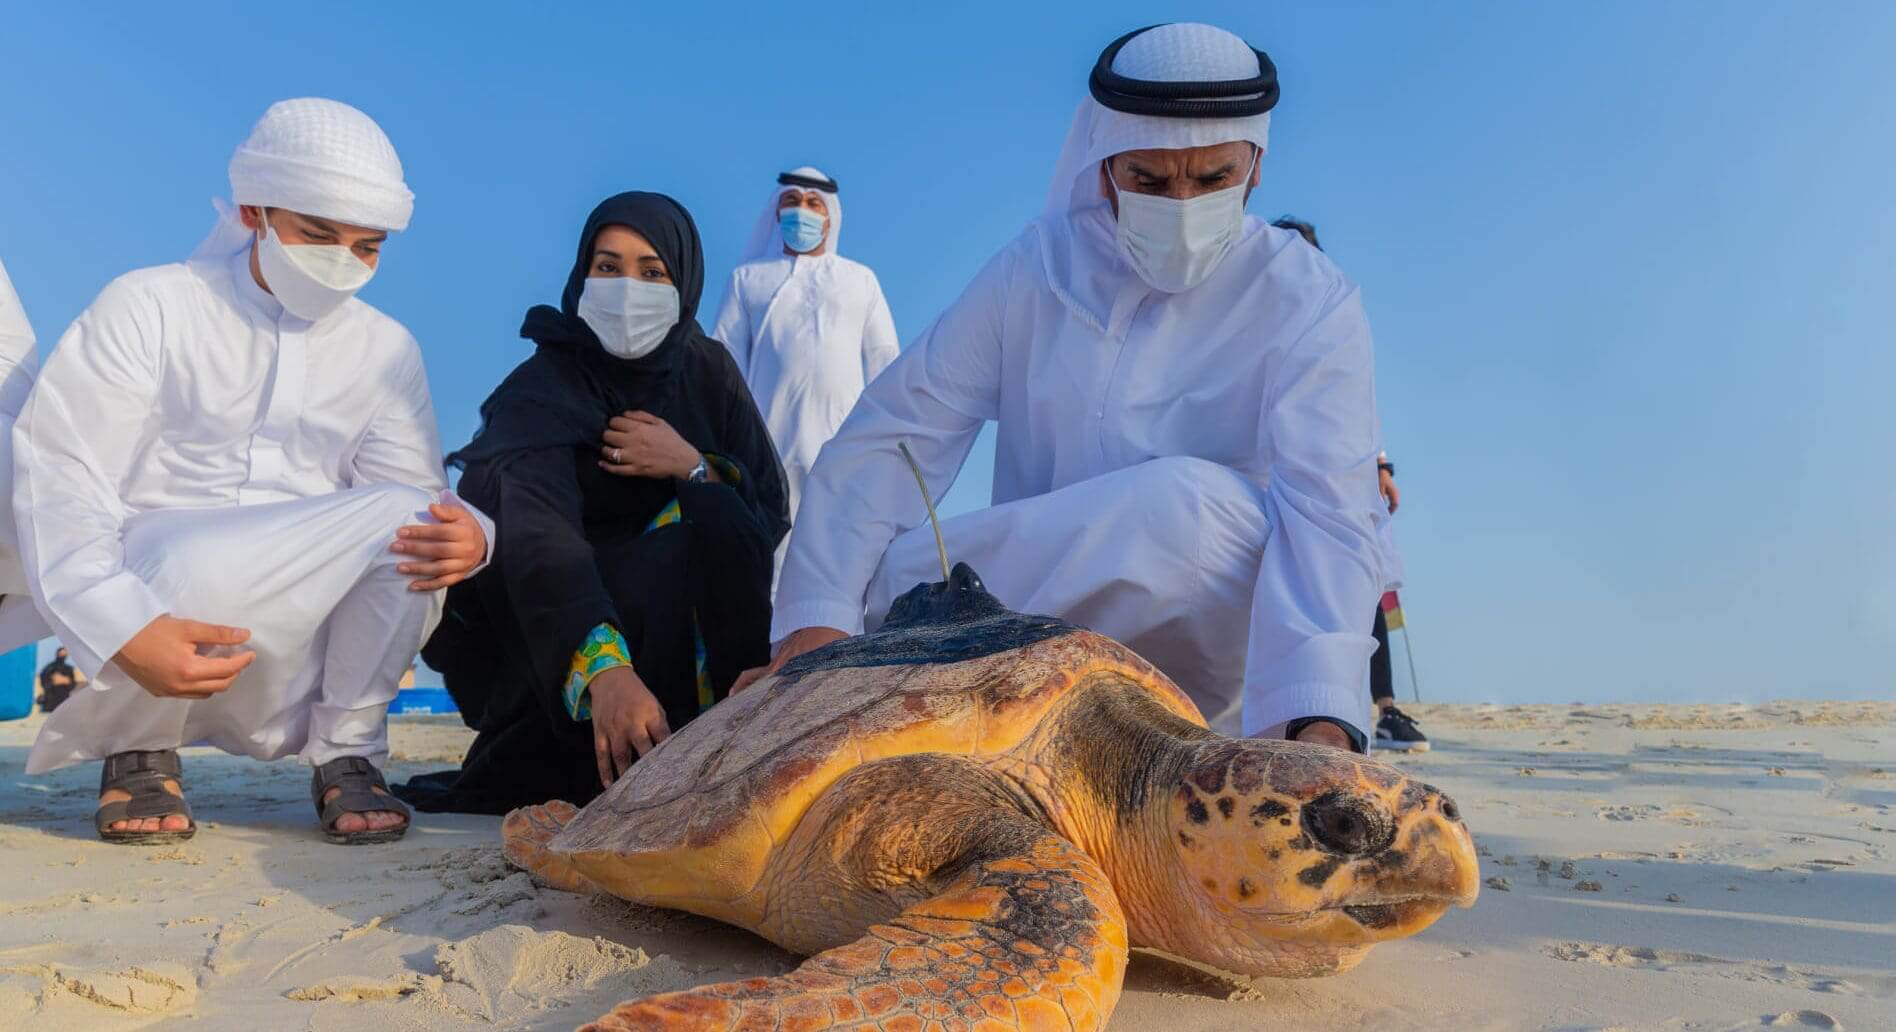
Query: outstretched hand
[806, 640]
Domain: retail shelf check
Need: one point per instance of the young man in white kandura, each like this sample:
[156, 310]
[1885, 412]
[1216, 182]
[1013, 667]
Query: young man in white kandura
[230, 498]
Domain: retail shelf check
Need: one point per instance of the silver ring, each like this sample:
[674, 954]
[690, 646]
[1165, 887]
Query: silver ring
[618, 457]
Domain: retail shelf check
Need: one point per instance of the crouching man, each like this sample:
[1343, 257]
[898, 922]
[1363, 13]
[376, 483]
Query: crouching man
[230, 496]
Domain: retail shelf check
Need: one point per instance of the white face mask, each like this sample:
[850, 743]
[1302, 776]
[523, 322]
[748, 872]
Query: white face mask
[630, 316]
[1174, 245]
[311, 280]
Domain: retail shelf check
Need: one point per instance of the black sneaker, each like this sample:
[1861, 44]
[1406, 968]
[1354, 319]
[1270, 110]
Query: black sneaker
[1396, 730]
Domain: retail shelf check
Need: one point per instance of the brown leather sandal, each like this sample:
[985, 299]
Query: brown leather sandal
[143, 774]
[358, 780]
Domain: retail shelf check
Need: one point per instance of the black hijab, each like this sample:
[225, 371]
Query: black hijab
[556, 397]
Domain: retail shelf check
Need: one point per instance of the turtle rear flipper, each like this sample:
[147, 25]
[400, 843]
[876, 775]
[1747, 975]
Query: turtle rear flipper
[524, 834]
[1027, 934]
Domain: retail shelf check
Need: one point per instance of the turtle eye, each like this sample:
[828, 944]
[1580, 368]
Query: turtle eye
[1345, 824]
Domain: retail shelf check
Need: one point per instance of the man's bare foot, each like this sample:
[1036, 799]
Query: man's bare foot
[172, 822]
[373, 820]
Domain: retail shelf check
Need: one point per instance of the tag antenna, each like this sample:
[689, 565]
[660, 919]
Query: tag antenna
[934, 520]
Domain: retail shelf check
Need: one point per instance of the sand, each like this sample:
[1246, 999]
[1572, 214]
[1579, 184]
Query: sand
[1648, 867]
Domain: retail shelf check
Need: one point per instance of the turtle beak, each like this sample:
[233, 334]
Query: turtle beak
[1444, 865]
[1441, 871]
[1467, 877]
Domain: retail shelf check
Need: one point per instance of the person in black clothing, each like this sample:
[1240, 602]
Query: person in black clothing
[57, 680]
[637, 501]
[1394, 728]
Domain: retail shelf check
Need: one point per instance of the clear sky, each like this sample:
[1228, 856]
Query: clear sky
[1629, 265]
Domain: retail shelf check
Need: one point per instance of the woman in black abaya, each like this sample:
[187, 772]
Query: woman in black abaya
[637, 501]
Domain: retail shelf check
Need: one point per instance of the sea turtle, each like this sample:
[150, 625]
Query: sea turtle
[966, 818]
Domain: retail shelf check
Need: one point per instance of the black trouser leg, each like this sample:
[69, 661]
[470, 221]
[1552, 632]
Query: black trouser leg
[1382, 679]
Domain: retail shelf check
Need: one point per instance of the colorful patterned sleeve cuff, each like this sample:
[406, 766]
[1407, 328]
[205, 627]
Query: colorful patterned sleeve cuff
[603, 649]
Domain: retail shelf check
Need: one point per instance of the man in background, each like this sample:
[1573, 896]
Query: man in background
[57, 680]
[808, 327]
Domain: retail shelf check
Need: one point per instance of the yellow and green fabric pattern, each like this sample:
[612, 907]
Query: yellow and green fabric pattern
[605, 648]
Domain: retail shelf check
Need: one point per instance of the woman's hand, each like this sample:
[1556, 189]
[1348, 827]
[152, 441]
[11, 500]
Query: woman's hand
[639, 444]
[627, 721]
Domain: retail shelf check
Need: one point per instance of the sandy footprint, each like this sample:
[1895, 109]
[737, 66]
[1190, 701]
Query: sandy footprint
[67, 992]
[1612, 955]
[356, 991]
[1801, 1019]
[1629, 812]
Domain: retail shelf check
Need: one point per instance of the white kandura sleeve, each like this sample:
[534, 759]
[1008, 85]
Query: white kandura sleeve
[403, 444]
[880, 345]
[82, 425]
[859, 495]
[733, 327]
[19, 359]
[1321, 576]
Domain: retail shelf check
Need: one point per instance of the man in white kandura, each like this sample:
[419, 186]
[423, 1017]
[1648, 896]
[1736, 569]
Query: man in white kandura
[230, 495]
[20, 622]
[1187, 441]
[808, 327]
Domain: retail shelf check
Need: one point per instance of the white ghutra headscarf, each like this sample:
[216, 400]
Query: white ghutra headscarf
[318, 157]
[1181, 52]
[1083, 268]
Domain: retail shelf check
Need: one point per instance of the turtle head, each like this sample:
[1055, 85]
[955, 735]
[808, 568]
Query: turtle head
[1292, 859]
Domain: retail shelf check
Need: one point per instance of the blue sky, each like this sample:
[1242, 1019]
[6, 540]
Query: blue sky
[1629, 265]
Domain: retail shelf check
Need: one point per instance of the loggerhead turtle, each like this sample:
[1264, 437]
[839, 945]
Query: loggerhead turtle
[967, 817]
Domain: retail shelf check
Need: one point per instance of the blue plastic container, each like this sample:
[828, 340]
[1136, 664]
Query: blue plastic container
[19, 676]
[423, 700]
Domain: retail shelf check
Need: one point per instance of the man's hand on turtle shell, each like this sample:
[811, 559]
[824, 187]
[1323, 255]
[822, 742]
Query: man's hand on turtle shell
[1322, 732]
[806, 640]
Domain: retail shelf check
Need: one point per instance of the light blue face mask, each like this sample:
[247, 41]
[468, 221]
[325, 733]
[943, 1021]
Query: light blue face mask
[802, 229]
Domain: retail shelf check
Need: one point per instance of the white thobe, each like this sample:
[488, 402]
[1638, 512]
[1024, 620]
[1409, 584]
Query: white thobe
[808, 333]
[1193, 474]
[192, 448]
[20, 622]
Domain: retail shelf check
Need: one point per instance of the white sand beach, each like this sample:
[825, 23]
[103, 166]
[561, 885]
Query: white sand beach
[1648, 867]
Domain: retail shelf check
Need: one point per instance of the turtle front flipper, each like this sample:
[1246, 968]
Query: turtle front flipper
[524, 834]
[1025, 934]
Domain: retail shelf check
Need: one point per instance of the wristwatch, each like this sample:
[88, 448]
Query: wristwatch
[698, 473]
